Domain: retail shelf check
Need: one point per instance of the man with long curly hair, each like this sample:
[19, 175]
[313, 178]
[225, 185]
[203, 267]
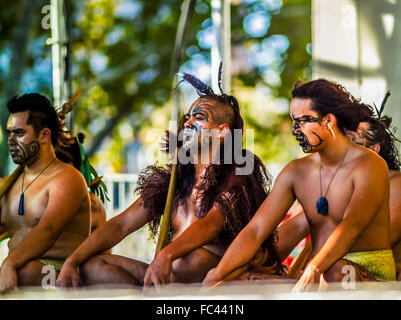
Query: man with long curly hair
[373, 134]
[215, 197]
[342, 187]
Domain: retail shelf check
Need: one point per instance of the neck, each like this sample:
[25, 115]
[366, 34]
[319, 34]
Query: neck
[43, 159]
[206, 160]
[334, 152]
[200, 170]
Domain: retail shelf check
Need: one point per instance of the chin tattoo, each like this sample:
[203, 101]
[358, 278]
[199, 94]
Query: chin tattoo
[26, 151]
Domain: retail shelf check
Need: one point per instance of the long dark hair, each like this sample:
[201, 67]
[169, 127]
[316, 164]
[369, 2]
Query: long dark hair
[379, 132]
[237, 196]
[329, 97]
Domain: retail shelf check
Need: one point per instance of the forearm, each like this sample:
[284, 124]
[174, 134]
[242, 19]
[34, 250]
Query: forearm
[195, 236]
[239, 253]
[337, 245]
[33, 246]
[102, 239]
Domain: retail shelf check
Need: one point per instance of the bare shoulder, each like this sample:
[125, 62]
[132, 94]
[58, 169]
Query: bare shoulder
[395, 176]
[395, 179]
[298, 165]
[66, 175]
[368, 162]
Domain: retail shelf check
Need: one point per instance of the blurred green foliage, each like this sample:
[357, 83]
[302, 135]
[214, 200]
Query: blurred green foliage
[121, 56]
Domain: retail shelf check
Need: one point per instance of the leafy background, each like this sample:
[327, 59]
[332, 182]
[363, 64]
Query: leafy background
[121, 55]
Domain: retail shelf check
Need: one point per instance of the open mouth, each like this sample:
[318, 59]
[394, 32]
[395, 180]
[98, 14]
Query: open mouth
[188, 136]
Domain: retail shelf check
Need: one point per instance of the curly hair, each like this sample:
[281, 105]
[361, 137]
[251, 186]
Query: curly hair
[236, 196]
[379, 132]
[329, 97]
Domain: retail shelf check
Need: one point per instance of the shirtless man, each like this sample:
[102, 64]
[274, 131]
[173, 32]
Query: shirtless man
[72, 156]
[211, 205]
[52, 218]
[354, 224]
[374, 135]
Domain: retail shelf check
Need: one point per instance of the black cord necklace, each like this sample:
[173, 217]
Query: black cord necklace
[322, 205]
[21, 199]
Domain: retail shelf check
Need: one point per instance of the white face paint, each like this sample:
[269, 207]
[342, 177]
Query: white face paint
[189, 137]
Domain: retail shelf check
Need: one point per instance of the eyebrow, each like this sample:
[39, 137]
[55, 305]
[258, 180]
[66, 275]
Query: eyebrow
[306, 117]
[18, 130]
[203, 109]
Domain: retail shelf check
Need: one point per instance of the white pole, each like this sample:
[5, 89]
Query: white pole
[58, 42]
[221, 48]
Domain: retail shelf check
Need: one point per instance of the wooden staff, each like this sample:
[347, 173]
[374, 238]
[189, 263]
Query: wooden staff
[165, 222]
[300, 261]
[4, 189]
[232, 276]
[187, 10]
[10, 181]
[293, 273]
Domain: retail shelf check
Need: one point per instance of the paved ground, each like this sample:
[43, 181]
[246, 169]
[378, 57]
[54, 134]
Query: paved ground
[272, 290]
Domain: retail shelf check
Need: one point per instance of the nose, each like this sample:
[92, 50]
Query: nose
[10, 139]
[294, 129]
[188, 123]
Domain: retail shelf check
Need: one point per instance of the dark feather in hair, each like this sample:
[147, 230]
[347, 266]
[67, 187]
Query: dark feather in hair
[201, 87]
[220, 77]
[380, 112]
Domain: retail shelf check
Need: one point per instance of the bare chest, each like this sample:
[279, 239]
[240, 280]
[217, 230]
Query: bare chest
[336, 187]
[184, 215]
[34, 203]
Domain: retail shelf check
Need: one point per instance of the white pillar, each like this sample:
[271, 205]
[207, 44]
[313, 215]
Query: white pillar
[58, 42]
[358, 44]
[221, 48]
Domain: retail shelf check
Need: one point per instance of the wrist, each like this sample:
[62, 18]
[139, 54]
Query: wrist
[70, 262]
[8, 263]
[315, 268]
[166, 255]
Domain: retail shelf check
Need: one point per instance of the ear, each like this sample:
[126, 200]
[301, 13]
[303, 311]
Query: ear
[375, 148]
[45, 136]
[224, 129]
[331, 120]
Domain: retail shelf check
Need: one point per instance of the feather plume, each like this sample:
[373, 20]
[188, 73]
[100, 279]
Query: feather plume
[220, 77]
[201, 87]
[380, 112]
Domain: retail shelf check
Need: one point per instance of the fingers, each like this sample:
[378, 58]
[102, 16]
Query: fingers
[155, 278]
[68, 282]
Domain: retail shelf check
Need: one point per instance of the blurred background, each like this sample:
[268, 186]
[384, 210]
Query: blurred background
[125, 55]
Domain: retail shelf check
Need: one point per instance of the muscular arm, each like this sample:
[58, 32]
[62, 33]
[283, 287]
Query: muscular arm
[199, 233]
[110, 233]
[395, 210]
[266, 218]
[371, 185]
[2, 228]
[291, 232]
[98, 212]
[64, 199]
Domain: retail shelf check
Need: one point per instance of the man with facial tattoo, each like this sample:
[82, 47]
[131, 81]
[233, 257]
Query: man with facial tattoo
[46, 211]
[215, 197]
[375, 135]
[342, 187]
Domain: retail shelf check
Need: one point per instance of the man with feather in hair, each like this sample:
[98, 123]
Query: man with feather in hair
[215, 197]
